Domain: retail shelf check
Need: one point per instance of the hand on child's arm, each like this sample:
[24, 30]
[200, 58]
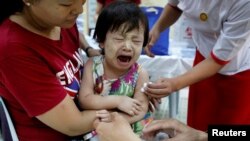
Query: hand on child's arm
[154, 104]
[121, 129]
[103, 115]
[129, 105]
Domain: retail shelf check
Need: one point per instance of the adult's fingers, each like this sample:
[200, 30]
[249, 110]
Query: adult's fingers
[157, 93]
[157, 90]
[137, 102]
[103, 116]
[159, 125]
[156, 85]
[152, 40]
[147, 50]
[137, 108]
[102, 112]
[156, 102]
[136, 112]
[155, 125]
[96, 123]
[151, 107]
[168, 126]
[106, 119]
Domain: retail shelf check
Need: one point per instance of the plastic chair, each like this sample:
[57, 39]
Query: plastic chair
[161, 46]
[8, 131]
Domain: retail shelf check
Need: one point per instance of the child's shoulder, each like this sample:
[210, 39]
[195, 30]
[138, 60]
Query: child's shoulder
[97, 59]
[139, 67]
[93, 60]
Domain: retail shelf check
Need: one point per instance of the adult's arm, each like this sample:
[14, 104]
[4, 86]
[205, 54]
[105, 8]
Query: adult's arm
[98, 10]
[67, 119]
[168, 17]
[87, 48]
[201, 71]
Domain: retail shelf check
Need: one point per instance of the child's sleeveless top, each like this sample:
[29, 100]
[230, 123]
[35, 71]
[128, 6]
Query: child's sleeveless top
[124, 85]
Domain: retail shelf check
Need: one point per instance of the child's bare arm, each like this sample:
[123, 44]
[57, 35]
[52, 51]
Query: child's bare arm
[141, 97]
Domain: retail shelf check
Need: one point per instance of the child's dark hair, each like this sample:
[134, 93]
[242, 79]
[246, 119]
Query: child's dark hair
[9, 7]
[115, 15]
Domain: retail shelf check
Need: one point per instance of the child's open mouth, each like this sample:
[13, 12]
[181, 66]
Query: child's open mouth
[124, 58]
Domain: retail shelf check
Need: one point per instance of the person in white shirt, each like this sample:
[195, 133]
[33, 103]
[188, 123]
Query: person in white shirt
[220, 79]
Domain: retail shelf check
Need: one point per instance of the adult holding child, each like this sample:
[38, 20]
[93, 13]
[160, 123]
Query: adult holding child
[41, 67]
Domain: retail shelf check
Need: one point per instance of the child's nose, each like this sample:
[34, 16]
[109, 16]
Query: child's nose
[128, 45]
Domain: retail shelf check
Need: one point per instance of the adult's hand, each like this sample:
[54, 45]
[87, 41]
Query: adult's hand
[153, 36]
[94, 52]
[103, 115]
[154, 104]
[176, 130]
[161, 88]
[117, 130]
[87, 48]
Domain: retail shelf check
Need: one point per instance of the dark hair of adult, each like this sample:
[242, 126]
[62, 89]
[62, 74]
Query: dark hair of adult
[115, 15]
[9, 7]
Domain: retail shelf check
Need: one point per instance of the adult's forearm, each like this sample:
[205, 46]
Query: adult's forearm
[201, 71]
[83, 42]
[168, 17]
[84, 123]
[66, 118]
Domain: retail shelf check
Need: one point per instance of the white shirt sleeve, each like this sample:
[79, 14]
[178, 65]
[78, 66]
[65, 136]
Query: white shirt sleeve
[234, 33]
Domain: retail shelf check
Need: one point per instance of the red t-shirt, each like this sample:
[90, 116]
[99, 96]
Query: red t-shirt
[36, 73]
[106, 2]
